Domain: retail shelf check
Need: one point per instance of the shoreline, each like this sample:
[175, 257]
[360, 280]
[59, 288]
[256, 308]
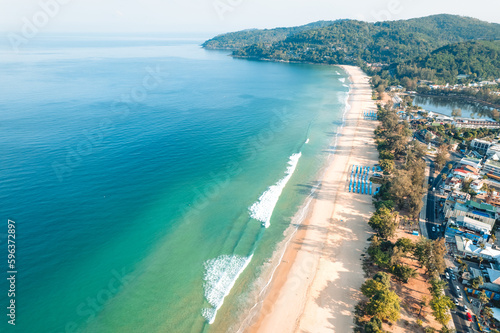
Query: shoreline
[300, 296]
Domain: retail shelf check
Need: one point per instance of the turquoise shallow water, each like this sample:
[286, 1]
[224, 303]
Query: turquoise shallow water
[150, 179]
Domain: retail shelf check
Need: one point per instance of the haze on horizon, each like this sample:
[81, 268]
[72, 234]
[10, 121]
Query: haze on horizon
[217, 16]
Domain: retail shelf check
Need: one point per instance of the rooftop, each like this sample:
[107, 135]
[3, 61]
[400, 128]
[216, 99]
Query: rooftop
[492, 163]
[467, 245]
[494, 275]
[481, 206]
[482, 225]
[472, 159]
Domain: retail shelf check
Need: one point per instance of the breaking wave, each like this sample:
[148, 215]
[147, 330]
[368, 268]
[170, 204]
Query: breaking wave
[220, 276]
[262, 210]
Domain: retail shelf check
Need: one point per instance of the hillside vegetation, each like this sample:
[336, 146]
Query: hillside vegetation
[236, 40]
[356, 42]
[440, 48]
[477, 59]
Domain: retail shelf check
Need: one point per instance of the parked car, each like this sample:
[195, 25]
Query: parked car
[465, 308]
[456, 302]
[447, 275]
[433, 229]
[469, 317]
[453, 277]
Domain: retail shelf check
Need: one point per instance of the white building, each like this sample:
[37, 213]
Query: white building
[480, 144]
[492, 168]
[477, 185]
[467, 247]
[473, 162]
[494, 149]
[483, 226]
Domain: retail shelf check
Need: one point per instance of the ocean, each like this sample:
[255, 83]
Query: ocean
[151, 180]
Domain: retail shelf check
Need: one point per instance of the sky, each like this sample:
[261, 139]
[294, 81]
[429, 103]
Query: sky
[217, 16]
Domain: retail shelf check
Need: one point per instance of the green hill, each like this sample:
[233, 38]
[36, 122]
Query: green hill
[356, 42]
[476, 59]
[236, 40]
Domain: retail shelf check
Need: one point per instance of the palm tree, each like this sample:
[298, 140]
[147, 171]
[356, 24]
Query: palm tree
[477, 282]
[463, 267]
[482, 246]
[483, 299]
[487, 312]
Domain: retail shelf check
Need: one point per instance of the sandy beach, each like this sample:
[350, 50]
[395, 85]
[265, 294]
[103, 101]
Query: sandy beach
[316, 285]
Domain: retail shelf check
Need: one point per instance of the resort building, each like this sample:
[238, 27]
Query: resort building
[492, 169]
[483, 227]
[479, 144]
[477, 185]
[452, 184]
[482, 209]
[493, 150]
[454, 198]
[465, 174]
[467, 248]
[473, 162]
[471, 123]
[493, 199]
[494, 275]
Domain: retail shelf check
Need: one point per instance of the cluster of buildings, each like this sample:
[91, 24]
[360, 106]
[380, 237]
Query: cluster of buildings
[463, 122]
[464, 86]
[470, 219]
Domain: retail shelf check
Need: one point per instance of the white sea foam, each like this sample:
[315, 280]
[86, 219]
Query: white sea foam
[220, 276]
[299, 218]
[342, 79]
[263, 209]
[307, 141]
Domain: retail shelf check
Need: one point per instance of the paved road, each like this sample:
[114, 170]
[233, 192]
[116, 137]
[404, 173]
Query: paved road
[459, 314]
[433, 221]
[433, 212]
[430, 226]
